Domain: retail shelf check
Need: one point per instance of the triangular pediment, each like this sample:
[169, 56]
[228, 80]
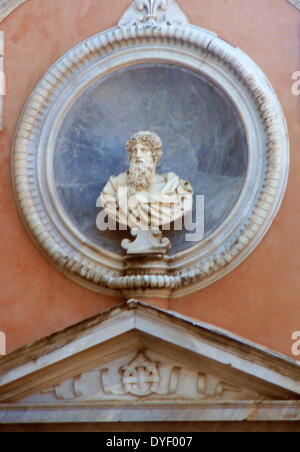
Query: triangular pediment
[143, 376]
[135, 355]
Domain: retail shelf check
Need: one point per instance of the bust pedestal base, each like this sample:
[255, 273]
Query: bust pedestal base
[146, 242]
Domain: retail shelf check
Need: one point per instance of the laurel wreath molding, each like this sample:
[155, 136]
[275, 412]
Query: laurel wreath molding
[103, 271]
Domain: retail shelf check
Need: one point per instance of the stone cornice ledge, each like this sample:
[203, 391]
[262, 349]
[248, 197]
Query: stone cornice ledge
[151, 412]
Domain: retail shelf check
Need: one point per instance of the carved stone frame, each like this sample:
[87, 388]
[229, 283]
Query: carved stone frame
[186, 46]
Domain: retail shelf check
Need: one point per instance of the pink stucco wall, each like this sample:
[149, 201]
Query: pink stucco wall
[261, 299]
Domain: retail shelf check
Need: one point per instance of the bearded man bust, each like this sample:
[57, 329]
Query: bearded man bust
[140, 198]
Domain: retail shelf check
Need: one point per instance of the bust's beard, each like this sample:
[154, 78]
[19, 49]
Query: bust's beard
[140, 177]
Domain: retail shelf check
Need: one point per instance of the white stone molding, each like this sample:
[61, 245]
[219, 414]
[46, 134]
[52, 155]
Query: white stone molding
[2, 78]
[269, 411]
[296, 3]
[195, 49]
[8, 6]
[139, 363]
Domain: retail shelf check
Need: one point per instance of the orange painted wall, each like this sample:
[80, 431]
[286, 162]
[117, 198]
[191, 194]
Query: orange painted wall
[261, 299]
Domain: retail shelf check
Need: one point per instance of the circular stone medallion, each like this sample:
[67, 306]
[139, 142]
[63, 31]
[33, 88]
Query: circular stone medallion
[222, 129]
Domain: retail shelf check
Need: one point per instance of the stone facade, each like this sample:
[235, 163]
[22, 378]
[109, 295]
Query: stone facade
[147, 357]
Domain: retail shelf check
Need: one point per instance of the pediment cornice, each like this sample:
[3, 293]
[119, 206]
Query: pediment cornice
[148, 362]
[135, 325]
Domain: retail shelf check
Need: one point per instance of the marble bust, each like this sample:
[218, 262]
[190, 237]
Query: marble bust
[141, 198]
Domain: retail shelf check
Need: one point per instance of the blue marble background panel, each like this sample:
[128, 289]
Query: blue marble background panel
[204, 143]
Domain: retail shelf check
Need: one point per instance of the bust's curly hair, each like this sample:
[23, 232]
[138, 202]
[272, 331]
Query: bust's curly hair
[149, 139]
